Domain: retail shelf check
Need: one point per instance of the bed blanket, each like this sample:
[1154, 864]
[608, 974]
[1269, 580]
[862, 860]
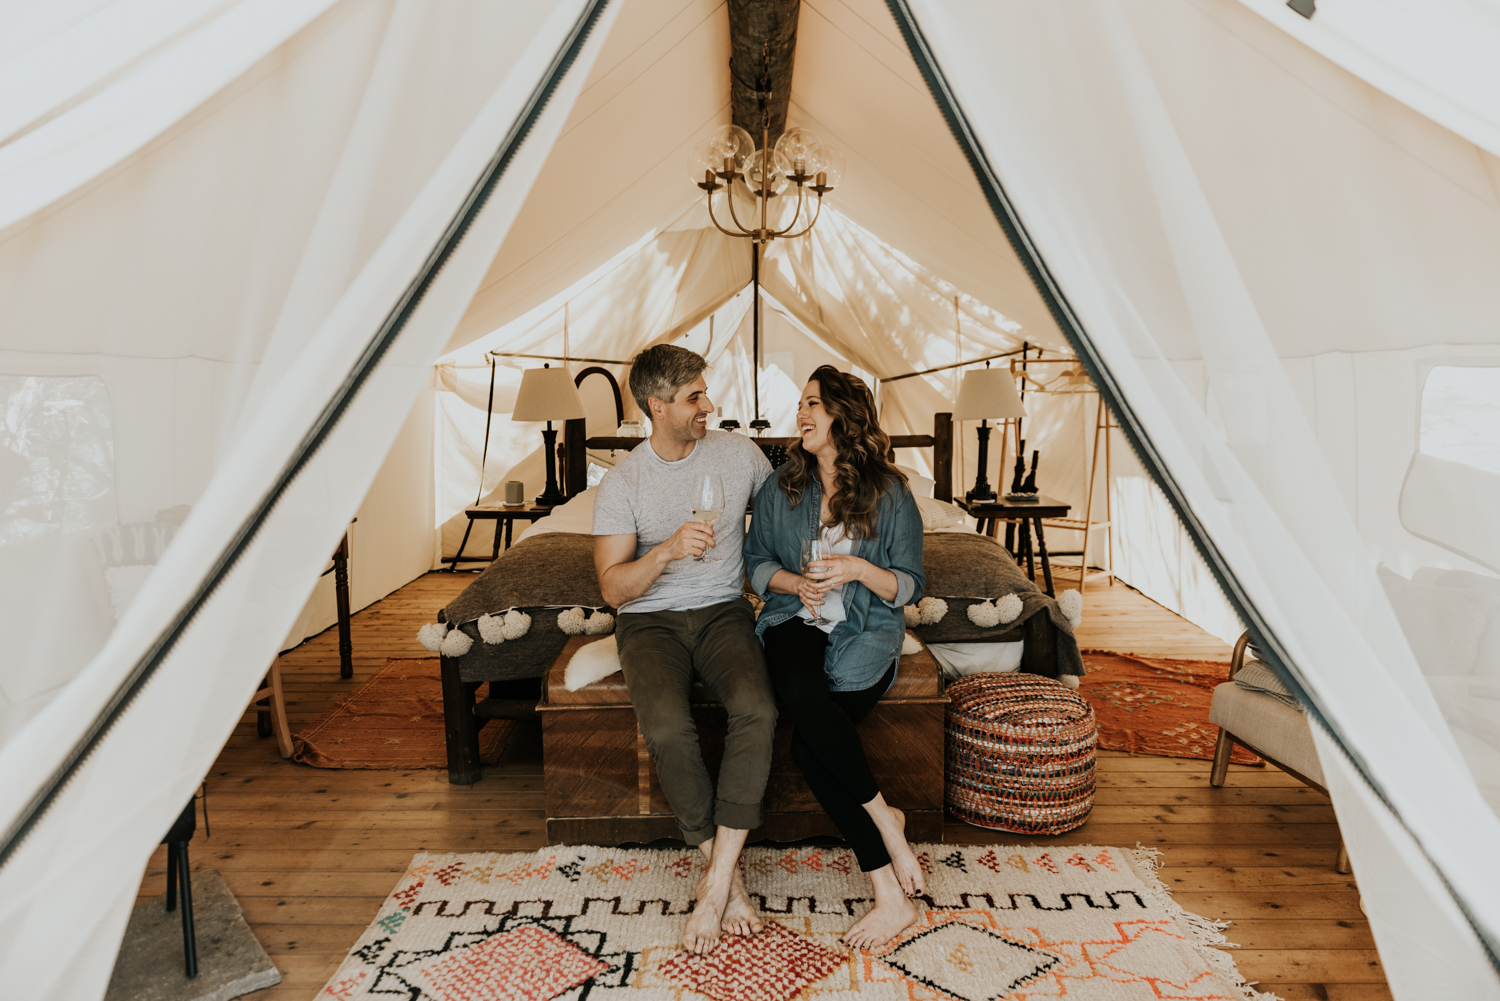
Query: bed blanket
[541, 575]
[966, 568]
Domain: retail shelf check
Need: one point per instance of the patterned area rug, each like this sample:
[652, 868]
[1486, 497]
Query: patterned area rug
[394, 720]
[580, 922]
[1151, 705]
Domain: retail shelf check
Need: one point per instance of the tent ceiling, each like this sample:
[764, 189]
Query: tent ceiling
[911, 185]
[663, 81]
[615, 173]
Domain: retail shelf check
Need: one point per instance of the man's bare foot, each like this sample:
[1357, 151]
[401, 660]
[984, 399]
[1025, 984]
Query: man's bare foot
[891, 823]
[883, 922]
[701, 935]
[740, 917]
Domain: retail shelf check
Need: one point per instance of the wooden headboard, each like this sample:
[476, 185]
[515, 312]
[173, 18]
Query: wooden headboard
[576, 445]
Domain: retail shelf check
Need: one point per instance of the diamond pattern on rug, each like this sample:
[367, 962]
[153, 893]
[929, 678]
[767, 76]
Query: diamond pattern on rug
[1023, 922]
[773, 966]
[528, 964]
[968, 962]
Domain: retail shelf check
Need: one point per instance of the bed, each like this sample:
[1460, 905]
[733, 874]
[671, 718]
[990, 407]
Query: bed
[981, 611]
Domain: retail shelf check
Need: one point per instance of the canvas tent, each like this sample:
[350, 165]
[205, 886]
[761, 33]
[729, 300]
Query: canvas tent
[251, 253]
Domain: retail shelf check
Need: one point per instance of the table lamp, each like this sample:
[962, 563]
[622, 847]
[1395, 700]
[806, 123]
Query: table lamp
[548, 394]
[986, 394]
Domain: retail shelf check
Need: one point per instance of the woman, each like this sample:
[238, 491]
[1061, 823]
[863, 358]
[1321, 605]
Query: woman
[837, 483]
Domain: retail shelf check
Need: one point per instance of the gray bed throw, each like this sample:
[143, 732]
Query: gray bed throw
[964, 569]
[552, 569]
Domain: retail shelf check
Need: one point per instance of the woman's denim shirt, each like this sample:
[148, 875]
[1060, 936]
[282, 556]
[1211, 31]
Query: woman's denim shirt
[862, 647]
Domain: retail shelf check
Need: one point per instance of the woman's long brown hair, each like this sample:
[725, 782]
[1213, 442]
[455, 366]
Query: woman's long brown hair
[862, 469]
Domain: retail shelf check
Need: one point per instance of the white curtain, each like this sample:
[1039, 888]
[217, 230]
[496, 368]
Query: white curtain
[196, 249]
[1231, 217]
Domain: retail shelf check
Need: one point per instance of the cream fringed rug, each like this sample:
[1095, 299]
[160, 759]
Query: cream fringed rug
[575, 922]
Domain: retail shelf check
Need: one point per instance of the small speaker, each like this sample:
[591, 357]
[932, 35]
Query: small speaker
[515, 493]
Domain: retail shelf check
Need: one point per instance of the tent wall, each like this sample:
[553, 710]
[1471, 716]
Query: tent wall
[1212, 201]
[275, 227]
[391, 541]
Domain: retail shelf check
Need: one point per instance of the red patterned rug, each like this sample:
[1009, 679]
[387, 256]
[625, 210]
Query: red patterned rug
[576, 922]
[1152, 705]
[394, 720]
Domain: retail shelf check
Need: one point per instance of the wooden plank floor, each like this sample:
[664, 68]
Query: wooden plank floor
[311, 853]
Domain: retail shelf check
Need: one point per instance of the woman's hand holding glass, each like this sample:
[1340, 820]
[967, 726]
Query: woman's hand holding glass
[810, 588]
[837, 570]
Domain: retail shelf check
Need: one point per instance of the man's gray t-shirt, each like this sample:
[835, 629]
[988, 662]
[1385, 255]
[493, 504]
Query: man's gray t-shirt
[650, 498]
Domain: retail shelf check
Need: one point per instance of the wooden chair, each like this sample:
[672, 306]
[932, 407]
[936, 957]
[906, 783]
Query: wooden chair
[270, 710]
[1268, 727]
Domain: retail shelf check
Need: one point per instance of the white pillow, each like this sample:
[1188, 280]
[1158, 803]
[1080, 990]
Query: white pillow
[959, 660]
[920, 485]
[577, 515]
[940, 516]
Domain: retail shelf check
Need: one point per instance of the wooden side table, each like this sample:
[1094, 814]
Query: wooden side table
[504, 518]
[1027, 515]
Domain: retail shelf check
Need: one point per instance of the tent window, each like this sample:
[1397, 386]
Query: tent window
[57, 456]
[1460, 418]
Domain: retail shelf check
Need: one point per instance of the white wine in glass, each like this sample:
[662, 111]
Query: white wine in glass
[813, 552]
[708, 503]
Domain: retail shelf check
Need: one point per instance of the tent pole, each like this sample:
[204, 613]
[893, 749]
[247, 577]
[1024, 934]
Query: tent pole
[755, 339]
[489, 412]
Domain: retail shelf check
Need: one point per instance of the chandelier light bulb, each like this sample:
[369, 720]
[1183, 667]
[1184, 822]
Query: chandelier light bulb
[703, 157]
[768, 173]
[795, 146]
[732, 142]
[831, 164]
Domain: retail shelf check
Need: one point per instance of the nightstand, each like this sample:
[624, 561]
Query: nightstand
[1026, 514]
[505, 519]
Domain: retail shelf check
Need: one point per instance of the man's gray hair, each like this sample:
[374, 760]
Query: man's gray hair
[661, 371]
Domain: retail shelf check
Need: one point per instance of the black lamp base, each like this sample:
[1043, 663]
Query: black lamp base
[550, 496]
[982, 493]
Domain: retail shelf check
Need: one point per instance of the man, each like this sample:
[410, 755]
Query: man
[681, 618]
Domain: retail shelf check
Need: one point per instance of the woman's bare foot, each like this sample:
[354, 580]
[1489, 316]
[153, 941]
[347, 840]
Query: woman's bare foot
[701, 934]
[892, 825]
[740, 917]
[891, 915]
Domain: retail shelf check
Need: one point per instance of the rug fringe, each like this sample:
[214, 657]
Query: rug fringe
[1207, 934]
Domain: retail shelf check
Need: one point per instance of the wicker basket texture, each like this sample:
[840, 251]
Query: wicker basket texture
[1020, 754]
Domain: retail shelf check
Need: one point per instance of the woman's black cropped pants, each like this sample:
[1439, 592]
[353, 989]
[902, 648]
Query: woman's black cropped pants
[825, 743]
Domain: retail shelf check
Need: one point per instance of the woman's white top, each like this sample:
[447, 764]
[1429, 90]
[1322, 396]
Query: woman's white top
[833, 601]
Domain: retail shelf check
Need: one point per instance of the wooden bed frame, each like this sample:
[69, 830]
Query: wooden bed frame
[602, 787]
[576, 443]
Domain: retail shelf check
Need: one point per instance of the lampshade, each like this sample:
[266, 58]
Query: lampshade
[988, 394]
[548, 394]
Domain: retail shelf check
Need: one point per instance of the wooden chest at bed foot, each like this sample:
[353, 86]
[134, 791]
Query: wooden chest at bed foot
[602, 787]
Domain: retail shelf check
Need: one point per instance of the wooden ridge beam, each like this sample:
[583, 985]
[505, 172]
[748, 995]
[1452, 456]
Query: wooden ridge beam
[762, 45]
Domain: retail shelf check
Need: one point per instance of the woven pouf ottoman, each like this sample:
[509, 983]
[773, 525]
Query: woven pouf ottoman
[1020, 754]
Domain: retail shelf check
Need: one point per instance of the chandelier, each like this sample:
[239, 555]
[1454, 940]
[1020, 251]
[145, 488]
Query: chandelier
[799, 157]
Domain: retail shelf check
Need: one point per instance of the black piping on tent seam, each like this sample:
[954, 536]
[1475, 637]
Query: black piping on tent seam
[389, 330]
[1265, 640]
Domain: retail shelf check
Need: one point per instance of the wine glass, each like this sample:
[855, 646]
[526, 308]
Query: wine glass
[813, 552]
[708, 503]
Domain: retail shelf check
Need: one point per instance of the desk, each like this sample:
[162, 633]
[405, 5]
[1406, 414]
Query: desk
[505, 519]
[1027, 514]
